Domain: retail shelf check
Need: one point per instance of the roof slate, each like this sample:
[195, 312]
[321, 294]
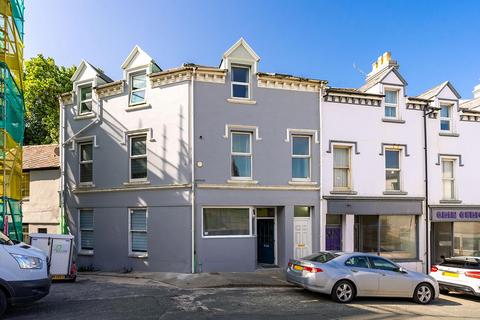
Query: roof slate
[41, 157]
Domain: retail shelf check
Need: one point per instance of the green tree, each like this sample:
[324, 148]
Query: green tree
[44, 82]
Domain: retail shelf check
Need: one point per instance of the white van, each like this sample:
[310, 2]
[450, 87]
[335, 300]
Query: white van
[23, 273]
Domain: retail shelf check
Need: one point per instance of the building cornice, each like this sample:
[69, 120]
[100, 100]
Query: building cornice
[258, 187]
[203, 74]
[80, 190]
[287, 82]
[66, 98]
[352, 98]
[110, 89]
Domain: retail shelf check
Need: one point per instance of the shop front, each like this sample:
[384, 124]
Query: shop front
[389, 227]
[455, 232]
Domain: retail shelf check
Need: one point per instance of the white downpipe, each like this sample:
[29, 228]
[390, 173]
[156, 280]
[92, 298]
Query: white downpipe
[320, 184]
[62, 163]
[192, 142]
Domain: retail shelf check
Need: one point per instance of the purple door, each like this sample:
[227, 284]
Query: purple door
[334, 238]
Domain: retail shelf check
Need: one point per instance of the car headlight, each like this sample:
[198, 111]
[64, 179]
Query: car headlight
[27, 262]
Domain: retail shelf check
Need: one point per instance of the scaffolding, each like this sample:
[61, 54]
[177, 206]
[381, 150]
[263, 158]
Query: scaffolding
[12, 111]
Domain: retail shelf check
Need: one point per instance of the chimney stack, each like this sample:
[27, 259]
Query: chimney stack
[476, 91]
[382, 62]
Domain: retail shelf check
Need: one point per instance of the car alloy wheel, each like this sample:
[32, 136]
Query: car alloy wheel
[344, 292]
[3, 302]
[423, 293]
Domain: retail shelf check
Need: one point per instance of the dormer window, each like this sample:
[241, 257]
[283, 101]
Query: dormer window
[85, 104]
[391, 104]
[445, 118]
[138, 83]
[240, 82]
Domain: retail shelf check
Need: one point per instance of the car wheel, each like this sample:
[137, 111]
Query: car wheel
[3, 302]
[343, 291]
[423, 293]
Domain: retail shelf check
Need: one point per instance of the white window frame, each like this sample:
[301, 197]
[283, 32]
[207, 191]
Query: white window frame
[251, 216]
[453, 179]
[80, 162]
[131, 253]
[250, 154]
[247, 84]
[309, 156]
[449, 119]
[391, 105]
[80, 229]
[80, 101]
[131, 90]
[349, 169]
[130, 157]
[400, 187]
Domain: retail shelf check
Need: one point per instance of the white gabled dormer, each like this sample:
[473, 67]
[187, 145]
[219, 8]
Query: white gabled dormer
[446, 99]
[136, 68]
[84, 80]
[386, 79]
[242, 64]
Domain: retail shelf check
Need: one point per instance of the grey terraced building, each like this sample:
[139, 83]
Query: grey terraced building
[248, 141]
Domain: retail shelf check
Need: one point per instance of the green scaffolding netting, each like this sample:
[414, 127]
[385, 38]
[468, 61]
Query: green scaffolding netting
[11, 215]
[11, 105]
[18, 8]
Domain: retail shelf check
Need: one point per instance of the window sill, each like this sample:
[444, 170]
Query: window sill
[85, 186]
[448, 134]
[392, 120]
[135, 107]
[451, 201]
[302, 183]
[348, 192]
[229, 237]
[241, 101]
[85, 253]
[26, 199]
[398, 193]
[84, 116]
[242, 181]
[138, 255]
[136, 183]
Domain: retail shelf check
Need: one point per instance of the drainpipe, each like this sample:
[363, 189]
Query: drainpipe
[426, 113]
[320, 184]
[192, 150]
[62, 167]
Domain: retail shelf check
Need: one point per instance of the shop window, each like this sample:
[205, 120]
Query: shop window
[333, 230]
[227, 222]
[466, 239]
[390, 236]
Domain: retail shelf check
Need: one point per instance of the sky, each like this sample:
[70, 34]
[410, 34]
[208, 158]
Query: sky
[432, 41]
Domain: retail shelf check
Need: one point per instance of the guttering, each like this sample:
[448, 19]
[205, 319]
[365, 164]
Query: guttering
[192, 150]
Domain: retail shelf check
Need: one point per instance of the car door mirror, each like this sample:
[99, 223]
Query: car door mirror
[401, 270]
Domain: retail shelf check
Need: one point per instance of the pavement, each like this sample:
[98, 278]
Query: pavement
[220, 296]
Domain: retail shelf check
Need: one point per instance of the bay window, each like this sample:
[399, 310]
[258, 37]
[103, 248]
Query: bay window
[392, 170]
[341, 168]
[241, 155]
[390, 236]
[240, 82]
[301, 157]
[227, 222]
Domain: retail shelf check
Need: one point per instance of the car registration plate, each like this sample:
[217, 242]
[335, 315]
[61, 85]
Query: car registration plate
[450, 274]
[58, 277]
[298, 268]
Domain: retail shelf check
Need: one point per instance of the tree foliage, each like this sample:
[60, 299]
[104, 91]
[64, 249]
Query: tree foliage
[44, 82]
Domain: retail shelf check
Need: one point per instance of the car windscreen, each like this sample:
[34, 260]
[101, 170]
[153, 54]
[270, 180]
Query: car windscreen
[461, 263]
[321, 257]
[5, 240]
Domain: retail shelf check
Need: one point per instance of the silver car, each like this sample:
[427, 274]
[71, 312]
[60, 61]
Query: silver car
[345, 276]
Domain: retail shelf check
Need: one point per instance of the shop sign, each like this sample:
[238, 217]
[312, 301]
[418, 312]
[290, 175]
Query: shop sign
[456, 215]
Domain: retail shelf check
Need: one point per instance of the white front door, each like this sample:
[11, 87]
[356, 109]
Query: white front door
[302, 235]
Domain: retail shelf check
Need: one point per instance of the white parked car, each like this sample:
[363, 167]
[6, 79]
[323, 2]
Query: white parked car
[458, 274]
[23, 273]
